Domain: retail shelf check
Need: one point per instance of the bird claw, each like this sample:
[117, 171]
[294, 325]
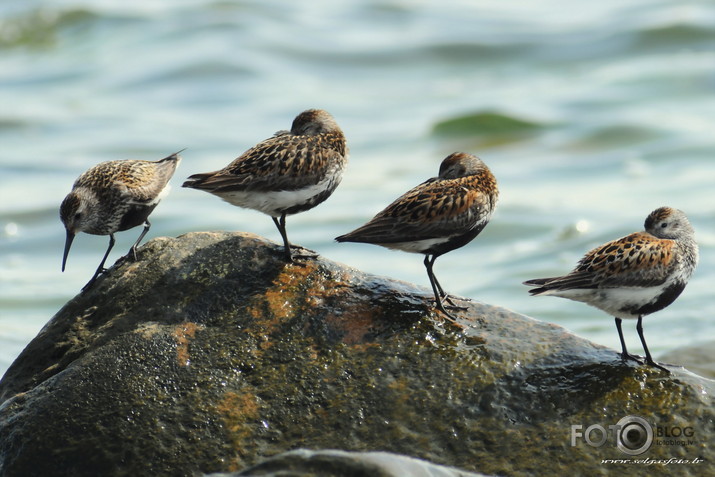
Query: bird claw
[131, 256]
[295, 257]
[88, 285]
[656, 365]
[304, 256]
[310, 253]
[448, 316]
[643, 361]
[626, 357]
[452, 305]
[101, 271]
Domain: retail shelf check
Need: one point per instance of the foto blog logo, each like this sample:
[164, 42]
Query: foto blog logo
[633, 435]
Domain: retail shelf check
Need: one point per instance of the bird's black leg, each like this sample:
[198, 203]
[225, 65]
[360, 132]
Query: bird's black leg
[133, 251]
[445, 296]
[100, 268]
[289, 257]
[624, 355]
[429, 263]
[281, 224]
[437, 287]
[648, 359]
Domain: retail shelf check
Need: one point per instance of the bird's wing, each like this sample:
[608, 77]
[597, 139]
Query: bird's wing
[282, 162]
[144, 181]
[433, 209]
[637, 260]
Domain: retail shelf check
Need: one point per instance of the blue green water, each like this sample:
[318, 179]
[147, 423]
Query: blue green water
[590, 114]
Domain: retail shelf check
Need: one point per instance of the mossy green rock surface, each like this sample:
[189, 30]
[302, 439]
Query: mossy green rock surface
[210, 354]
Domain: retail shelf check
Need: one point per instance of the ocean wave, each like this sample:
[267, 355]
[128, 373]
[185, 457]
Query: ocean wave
[485, 123]
[38, 28]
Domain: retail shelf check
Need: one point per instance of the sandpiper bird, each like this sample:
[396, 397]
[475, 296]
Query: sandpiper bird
[441, 214]
[114, 196]
[632, 276]
[291, 172]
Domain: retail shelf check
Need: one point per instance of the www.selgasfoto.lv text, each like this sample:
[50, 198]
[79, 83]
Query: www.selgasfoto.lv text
[649, 461]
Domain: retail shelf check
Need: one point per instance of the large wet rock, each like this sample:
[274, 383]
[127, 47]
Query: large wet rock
[210, 354]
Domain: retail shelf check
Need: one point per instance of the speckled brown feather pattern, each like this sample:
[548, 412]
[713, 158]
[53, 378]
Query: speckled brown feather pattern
[289, 173]
[438, 207]
[105, 192]
[137, 180]
[114, 196]
[639, 258]
[314, 148]
[440, 215]
[633, 276]
[284, 162]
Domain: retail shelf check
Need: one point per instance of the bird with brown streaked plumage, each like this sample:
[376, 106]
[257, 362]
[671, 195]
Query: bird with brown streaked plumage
[441, 214]
[291, 172]
[114, 196]
[633, 276]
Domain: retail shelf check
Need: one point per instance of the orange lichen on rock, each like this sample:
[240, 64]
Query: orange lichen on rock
[281, 299]
[355, 324]
[183, 333]
[238, 411]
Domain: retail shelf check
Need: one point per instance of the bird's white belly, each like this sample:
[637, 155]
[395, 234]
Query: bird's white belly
[417, 246]
[614, 300]
[274, 202]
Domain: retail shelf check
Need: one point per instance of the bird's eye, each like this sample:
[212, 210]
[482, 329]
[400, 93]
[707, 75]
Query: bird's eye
[663, 225]
[78, 216]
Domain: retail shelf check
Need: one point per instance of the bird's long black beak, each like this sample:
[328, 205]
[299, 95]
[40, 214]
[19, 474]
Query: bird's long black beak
[68, 244]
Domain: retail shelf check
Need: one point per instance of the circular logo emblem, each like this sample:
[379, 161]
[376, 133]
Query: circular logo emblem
[635, 435]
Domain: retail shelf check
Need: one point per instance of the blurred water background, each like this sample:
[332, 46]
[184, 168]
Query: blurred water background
[590, 114]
